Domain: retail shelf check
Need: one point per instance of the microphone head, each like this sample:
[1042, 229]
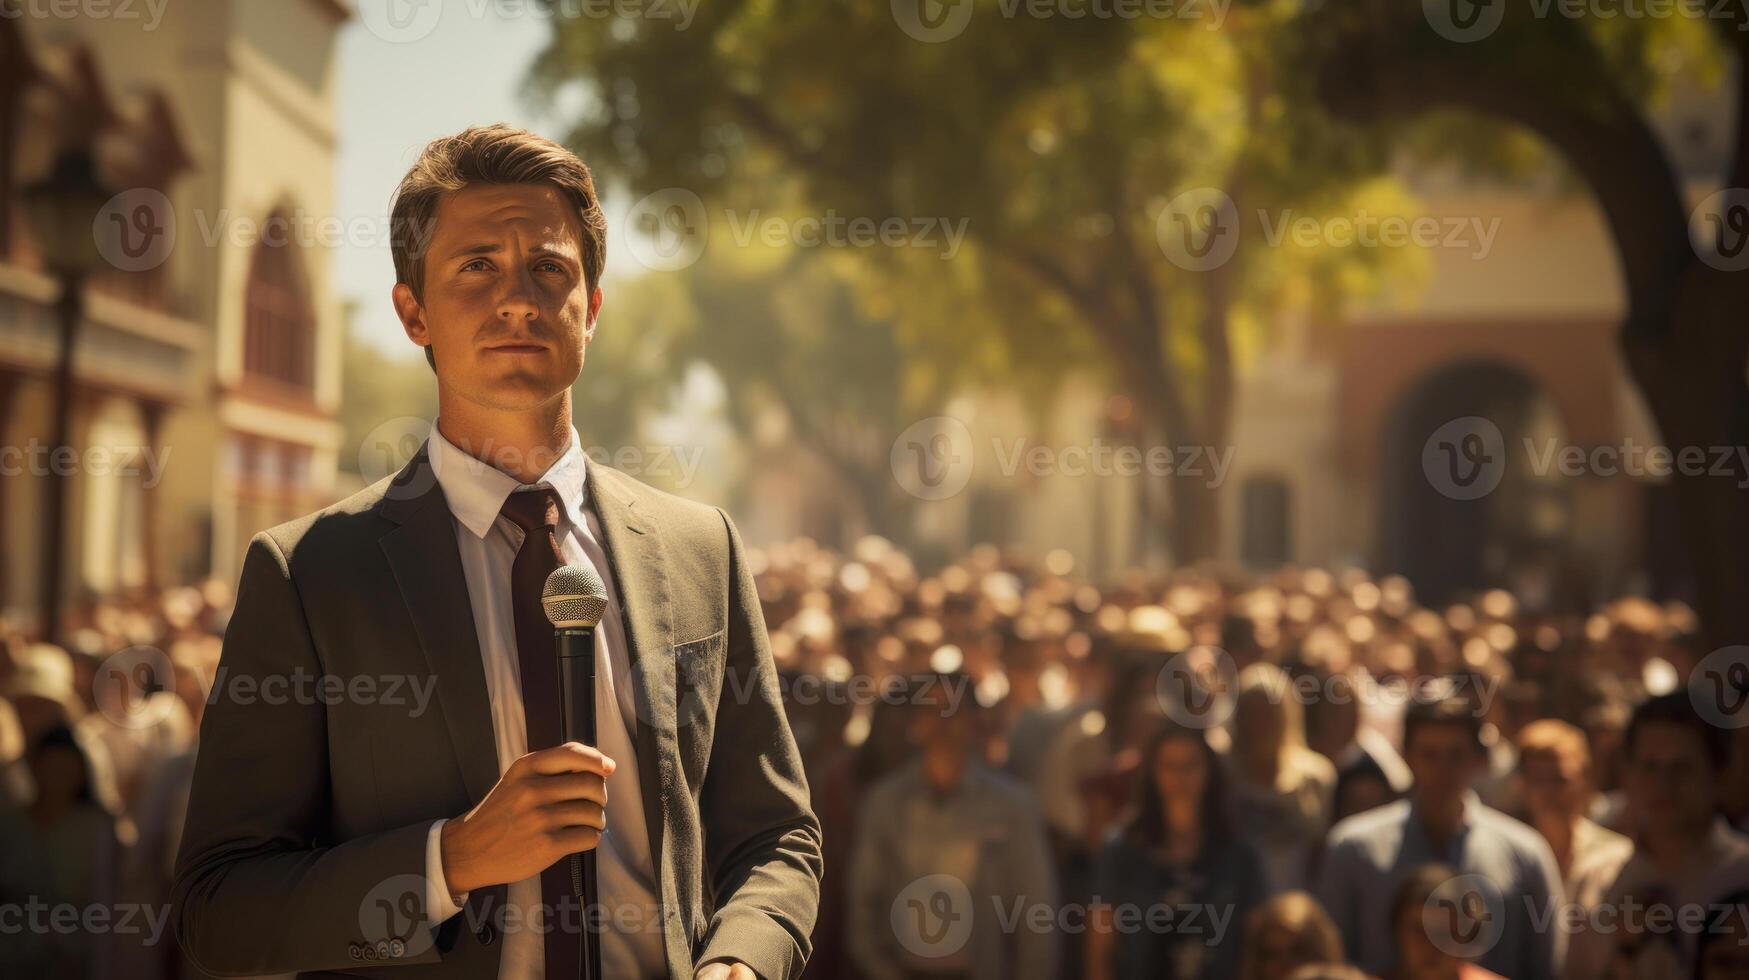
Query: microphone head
[574, 597]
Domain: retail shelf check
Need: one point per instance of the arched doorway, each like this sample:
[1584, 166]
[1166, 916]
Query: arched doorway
[1465, 500]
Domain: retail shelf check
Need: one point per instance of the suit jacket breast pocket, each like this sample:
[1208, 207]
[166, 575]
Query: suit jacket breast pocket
[698, 687]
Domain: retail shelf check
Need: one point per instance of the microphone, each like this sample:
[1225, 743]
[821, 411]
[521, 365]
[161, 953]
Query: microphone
[574, 600]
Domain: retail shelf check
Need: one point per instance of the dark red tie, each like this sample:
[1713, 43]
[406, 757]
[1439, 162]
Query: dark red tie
[537, 513]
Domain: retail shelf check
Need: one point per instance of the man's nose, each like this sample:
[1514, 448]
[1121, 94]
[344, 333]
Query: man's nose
[518, 300]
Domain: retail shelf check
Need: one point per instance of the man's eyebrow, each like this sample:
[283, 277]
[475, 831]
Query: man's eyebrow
[489, 248]
[483, 248]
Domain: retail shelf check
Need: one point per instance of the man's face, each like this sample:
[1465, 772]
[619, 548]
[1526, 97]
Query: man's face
[1443, 759]
[1553, 782]
[506, 309]
[940, 727]
[1668, 778]
[1181, 770]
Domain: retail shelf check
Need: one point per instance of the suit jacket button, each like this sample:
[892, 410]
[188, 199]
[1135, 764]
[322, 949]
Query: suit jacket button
[487, 934]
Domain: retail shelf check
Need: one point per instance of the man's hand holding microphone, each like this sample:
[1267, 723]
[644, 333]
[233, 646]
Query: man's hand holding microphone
[548, 804]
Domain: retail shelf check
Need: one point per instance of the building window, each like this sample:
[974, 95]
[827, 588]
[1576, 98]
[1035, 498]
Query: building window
[1266, 522]
[279, 325]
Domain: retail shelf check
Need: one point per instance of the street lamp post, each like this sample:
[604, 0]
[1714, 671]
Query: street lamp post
[62, 209]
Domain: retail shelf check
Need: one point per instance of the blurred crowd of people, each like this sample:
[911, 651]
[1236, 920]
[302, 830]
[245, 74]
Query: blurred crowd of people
[1306, 774]
[1021, 773]
[97, 743]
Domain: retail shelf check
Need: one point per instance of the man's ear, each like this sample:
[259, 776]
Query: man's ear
[594, 312]
[412, 314]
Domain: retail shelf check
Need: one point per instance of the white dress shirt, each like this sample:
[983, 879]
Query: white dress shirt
[631, 937]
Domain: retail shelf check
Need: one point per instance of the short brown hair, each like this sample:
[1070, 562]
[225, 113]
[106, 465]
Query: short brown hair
[1557, 738]
[495, 154]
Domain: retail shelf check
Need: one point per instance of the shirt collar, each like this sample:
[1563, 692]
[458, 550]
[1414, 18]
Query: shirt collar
[1467, 821]
[476, 490]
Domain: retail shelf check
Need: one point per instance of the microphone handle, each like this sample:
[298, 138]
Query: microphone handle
[576, 649]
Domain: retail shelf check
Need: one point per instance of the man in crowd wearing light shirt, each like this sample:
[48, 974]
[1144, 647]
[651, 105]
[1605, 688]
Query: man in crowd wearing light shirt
[1368, 856]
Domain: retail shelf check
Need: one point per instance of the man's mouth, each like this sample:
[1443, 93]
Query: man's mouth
[517, 349]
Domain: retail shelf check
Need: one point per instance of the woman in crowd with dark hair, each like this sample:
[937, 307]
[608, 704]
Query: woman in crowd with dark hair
[1174, 884]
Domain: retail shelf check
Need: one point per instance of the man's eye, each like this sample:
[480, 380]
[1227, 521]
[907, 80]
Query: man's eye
[475, 265]
[551, 266]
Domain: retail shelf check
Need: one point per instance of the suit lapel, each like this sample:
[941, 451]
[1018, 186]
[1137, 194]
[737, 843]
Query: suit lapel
[422, 553]
[634, 552]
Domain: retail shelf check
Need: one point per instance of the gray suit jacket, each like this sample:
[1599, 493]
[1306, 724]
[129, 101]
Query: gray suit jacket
[319, 776]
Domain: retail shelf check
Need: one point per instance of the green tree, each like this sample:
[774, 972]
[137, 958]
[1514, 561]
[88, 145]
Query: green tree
[1061, 143]
[389, 399]
[783, 332]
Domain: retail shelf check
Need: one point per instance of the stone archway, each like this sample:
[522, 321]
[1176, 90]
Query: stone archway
[1462, 506]
[1402, 379]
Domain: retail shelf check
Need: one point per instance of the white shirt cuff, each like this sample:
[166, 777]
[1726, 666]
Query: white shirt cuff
[438, 904]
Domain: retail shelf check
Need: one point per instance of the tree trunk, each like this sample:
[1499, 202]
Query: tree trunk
[1684, 337]
[1699, 400]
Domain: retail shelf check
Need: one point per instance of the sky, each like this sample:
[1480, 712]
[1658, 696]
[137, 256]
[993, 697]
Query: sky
[467, 62]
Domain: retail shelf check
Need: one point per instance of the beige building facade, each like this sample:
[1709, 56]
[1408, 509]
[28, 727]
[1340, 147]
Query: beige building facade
[207, 364]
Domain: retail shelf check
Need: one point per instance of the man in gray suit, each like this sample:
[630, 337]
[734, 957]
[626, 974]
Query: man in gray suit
[340, 822]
